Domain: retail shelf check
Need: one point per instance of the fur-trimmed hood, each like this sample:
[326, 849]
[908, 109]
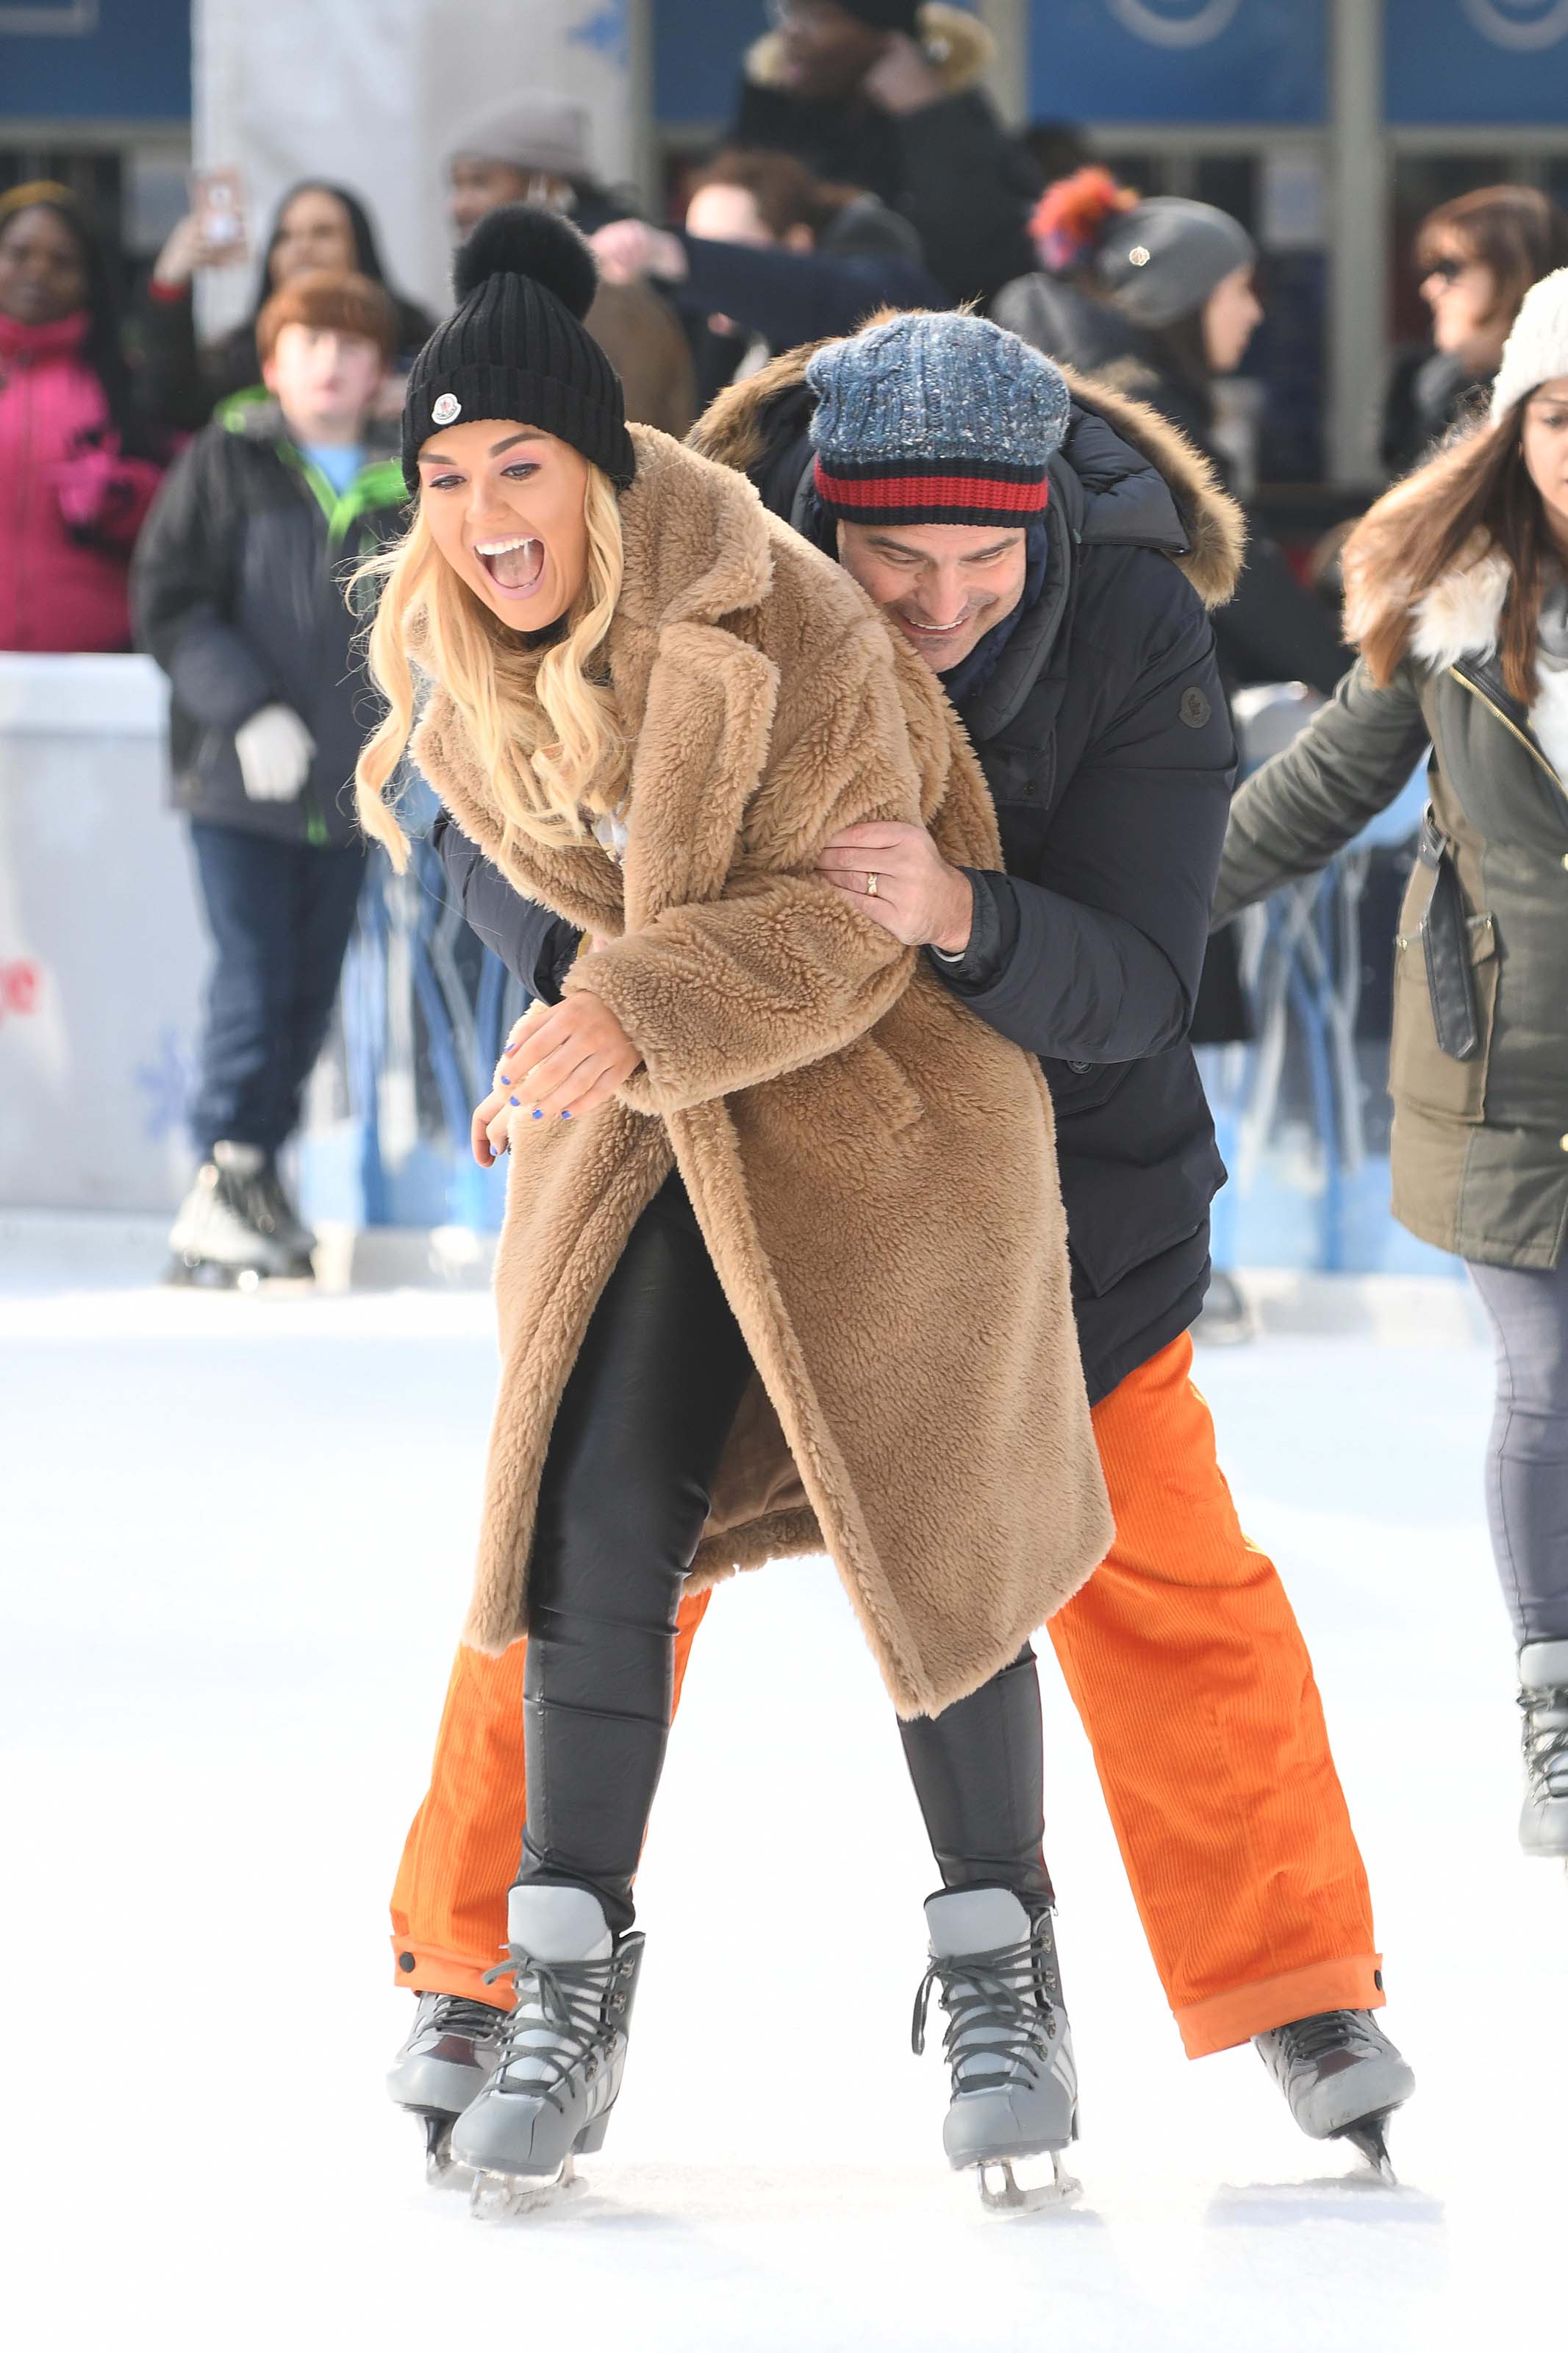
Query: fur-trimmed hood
[1459, 620]
[957, 44]
[1460, 615]
[1113, 467]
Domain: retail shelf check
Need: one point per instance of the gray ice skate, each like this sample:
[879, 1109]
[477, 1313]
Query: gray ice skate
[562, 2050]
[1343, 2078]
[228, 1228]
[1543, 1702]
[1015, 2086]
[453, 2047]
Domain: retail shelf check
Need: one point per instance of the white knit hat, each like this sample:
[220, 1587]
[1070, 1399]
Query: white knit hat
[1537, 350]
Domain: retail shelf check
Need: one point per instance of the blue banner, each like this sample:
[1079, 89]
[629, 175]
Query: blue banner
[1179, 61]
[699, 52]
[75, 60]
[1477, 60]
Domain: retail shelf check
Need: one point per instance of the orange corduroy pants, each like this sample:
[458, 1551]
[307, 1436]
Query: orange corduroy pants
[1184, 1660]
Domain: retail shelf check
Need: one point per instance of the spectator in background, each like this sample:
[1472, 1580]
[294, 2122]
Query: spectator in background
[533, 149]
[78, 467]
[885, 95]
[771, 258]
[1477, 255]
[1059, 149]
[1157, 296]
[317, 226]
[238, 595]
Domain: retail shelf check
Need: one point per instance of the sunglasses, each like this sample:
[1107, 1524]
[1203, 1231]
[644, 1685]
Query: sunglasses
[1448, 267]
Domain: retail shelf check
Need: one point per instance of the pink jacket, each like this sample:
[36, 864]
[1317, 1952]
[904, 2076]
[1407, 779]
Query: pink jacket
[70, 504]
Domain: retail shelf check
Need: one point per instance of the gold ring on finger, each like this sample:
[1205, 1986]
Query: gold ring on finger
[872, 885]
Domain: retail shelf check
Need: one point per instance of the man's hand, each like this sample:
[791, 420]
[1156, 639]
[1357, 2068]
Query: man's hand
[629, 249]
[561, 1062]
[903, 79]
[919, 897]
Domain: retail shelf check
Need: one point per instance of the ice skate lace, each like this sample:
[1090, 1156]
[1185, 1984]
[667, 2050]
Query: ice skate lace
[574, 1997]
[1545, 1746]
[454, 2013]
[996, 2011]
[1307, 2040]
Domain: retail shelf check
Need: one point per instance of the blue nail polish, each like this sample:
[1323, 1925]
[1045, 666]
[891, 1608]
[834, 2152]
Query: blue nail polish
[565, 1114]
[515, 1105]
[538, 1114]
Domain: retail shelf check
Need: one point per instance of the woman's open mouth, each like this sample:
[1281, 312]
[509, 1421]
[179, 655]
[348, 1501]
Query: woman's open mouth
[516, 565]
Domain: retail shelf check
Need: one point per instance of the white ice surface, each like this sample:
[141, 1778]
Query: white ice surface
[236, 1536]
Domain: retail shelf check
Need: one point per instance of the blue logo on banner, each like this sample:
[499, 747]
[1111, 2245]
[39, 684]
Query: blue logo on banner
[1176, 23]
[50, 17]
[1180, 60]
[1519, 24]
[1481, 61]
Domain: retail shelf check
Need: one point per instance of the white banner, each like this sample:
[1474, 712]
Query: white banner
[369, 94]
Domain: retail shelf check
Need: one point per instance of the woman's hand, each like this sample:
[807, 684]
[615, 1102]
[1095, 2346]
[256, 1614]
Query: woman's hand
[561, 1062]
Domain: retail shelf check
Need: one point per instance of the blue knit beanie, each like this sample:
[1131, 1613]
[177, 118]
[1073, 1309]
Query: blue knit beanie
[935, 417]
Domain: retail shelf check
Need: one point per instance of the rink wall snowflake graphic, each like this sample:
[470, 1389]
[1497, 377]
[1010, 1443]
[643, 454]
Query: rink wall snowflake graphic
[607, 30]
[166, 1082]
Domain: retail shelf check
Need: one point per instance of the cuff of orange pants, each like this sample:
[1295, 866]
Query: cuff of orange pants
[426, 1968]
[1226, 2019]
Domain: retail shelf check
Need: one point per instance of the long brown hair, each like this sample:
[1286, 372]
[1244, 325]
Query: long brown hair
[1518, 233]
[1474, 499]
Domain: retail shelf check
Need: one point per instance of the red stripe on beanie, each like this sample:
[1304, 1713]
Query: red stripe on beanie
[875, 494]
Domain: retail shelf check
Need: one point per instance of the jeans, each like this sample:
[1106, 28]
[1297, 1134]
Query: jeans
[623, 1501]
[281, 915]
[1527, 1458]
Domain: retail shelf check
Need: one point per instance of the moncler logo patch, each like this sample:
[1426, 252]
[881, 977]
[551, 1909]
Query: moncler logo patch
[1195, 708]
[445, 408]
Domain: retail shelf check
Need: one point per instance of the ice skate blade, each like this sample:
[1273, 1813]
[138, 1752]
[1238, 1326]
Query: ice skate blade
[1000, 2193]
[497, 2197]
[1370, 2138]
[438, 2158]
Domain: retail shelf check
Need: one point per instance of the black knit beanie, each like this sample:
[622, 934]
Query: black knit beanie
[516, 346]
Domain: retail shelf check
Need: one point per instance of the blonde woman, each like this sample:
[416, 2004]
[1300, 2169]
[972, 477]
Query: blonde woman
[1458, 597]
[783, 1268]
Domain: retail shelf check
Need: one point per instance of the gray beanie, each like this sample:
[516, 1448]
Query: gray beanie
[539, 133]
[934, 416]
[1162, 260]
[1537, 350]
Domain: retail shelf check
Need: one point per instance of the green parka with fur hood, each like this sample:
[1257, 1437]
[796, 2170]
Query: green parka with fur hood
[1479, 1069]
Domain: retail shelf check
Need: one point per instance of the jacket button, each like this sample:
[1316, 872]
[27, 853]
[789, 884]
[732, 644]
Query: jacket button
[1080, 1070]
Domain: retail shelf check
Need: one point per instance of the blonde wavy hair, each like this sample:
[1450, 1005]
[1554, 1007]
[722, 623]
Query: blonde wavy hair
[545, 727]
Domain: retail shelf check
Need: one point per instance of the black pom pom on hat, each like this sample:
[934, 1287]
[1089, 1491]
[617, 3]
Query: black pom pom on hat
[516, 347]
[526, 241]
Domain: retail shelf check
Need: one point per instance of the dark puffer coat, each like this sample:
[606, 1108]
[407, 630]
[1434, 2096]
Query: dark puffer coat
[1104, 738]
[950, 168]
[237, 592]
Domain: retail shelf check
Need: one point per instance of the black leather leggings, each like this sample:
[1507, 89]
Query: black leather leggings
[623, 1500]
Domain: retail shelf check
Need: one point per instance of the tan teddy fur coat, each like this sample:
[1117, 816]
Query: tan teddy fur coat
[873, 1169]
